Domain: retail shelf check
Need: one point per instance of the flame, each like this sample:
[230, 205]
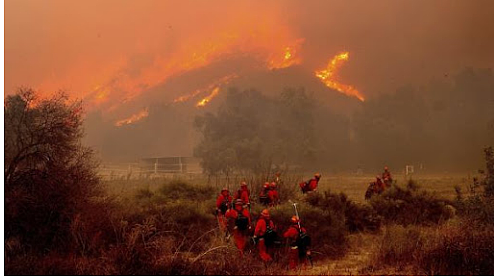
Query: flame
[208, 98]
[258, 44]
[328, 76]
[187, 97]
[287, 58]
[133, 118]
[220, 82]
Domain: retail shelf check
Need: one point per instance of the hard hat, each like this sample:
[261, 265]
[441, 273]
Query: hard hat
[244, 184]
[386, 167]
[239, 202]
[224, 189]
[295, 219]
[266, 185]
[317, 175]
[265, 212]
[273, 184]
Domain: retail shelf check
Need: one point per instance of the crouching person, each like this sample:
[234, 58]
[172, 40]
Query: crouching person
[241, 219]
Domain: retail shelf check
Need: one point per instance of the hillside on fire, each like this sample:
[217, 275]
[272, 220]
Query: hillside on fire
[163, 137]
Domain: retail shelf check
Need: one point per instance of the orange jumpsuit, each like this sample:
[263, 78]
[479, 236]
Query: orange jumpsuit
[227, 199]
[260, 230]
[243, 194]
[294, 256]
[274, 197]
[240, 236]
[313, 184]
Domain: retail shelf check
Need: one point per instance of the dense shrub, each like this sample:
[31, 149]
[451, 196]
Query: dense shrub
[50, 178]
[357, 217]
[478, 206]
[178, 190]
[411, 205]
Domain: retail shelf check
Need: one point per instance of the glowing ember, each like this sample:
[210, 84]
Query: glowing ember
[208, 98]
[328, 76]
[134, 118]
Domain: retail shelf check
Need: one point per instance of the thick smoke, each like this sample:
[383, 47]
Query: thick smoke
[125, 56]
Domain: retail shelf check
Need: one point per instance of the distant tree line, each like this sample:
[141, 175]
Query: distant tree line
[443, 126]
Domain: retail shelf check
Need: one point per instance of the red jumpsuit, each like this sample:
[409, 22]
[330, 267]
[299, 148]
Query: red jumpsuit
[380, 186]
[274, 197]
[292, 233]
[259, 232]
[313, 184]
[227, 199]
[243, 194]
[240, 236]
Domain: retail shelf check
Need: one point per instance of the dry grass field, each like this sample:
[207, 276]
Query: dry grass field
[353, 186]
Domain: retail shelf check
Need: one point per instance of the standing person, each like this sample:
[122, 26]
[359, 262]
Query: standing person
[274, 197]
[311, 185]
[263, 195]
[388, 180]
[241, 218]
[379, 185]
[223, 203]
[299, 243]
[243, 194]
[265, 234]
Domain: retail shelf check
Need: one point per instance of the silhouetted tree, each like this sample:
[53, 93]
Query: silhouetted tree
[49, 176]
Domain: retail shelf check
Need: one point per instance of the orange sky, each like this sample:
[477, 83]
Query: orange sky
[115, 49]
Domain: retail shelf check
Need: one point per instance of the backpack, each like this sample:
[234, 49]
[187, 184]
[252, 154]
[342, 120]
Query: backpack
[304, 186]
[224, 206]
[264, 199]
[303, 240]
[239, 194]
[242, 222]
[270, 236]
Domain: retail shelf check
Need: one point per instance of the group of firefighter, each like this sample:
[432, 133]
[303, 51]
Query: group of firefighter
[234, 217]
[381, 183]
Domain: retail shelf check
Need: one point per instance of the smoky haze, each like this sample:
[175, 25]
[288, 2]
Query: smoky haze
[423, 67]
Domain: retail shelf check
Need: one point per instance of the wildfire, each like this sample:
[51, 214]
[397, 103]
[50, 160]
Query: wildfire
[216, 85]
[133, 118]
[208, 98]
[187, 97]
[287, 58]
[328, 76]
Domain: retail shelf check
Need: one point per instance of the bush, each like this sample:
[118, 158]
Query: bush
[180, 190]
[357, 217]
[411, 206]
[479, 205]
[50, 179]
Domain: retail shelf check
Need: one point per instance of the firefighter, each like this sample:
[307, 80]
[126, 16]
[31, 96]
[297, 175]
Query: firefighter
[263, 195]
[379, 185]
[223, 203]
[311, 185]
[274, 197]
[241, 220]
[243, 194]
[265, 235]
[386, 176]
[299, 243]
